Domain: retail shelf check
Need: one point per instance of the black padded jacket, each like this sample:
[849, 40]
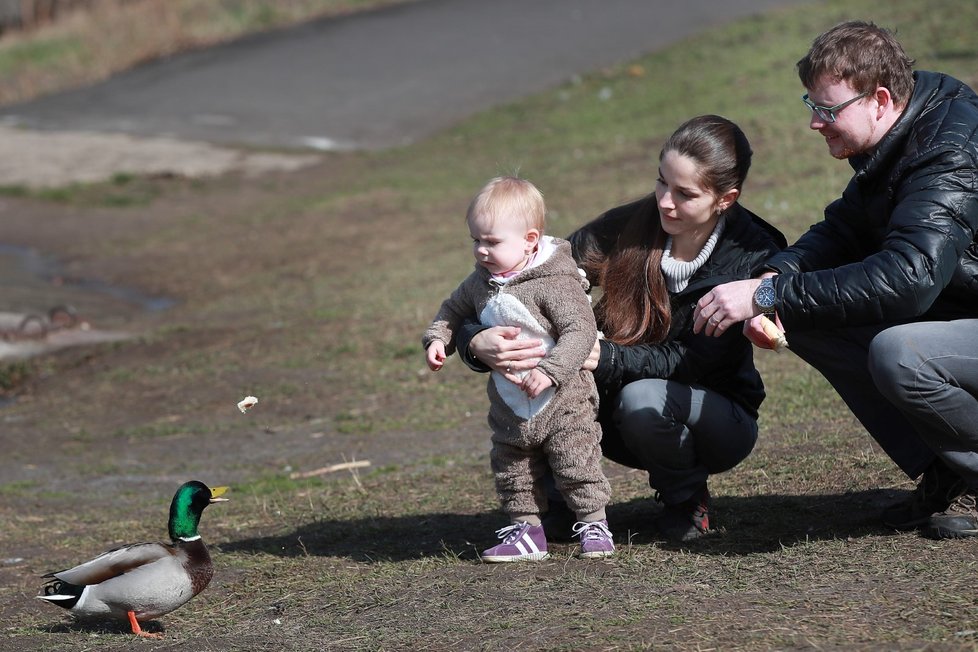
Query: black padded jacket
[899, 245]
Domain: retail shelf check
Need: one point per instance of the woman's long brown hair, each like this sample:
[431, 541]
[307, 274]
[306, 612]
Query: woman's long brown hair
[634, 306]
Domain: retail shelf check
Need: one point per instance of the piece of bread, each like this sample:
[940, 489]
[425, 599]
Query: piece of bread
[775, 335]
[247, 403]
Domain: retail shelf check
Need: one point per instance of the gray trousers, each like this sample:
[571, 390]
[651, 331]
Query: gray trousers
[681, 434]
[914, 387]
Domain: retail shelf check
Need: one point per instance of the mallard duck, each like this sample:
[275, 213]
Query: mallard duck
[142, 581]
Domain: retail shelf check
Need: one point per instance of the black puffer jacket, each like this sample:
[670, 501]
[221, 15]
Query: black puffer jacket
[724, 364]
[899, 245]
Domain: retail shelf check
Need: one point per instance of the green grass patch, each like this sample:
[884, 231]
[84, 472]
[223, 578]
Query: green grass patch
[14, 375]
[38, 54]
[20, 488]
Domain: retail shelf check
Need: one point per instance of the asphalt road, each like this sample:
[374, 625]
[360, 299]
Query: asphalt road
[375, 79]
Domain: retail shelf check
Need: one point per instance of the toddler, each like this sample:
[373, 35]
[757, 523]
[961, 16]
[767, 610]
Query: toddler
[547, 416]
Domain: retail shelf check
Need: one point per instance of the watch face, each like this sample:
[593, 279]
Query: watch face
[764, 296]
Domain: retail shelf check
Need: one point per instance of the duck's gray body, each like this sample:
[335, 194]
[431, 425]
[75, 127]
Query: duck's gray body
[144, 580]
[149, 579]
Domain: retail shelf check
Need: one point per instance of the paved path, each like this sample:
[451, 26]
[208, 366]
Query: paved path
[376, 79]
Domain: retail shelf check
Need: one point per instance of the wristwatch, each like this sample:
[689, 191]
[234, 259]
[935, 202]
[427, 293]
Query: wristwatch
[764, 296]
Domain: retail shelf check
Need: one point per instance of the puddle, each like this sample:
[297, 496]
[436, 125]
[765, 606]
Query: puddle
[32, 284]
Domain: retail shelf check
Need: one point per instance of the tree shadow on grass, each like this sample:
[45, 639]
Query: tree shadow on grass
[744, 525]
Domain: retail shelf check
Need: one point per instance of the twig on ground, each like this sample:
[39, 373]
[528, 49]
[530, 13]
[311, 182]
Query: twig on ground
[356, 464]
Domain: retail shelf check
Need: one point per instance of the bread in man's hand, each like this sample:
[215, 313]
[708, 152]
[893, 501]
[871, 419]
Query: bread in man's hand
[775, 335]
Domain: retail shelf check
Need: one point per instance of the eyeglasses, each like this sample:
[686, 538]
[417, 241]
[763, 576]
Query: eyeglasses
[827, 113]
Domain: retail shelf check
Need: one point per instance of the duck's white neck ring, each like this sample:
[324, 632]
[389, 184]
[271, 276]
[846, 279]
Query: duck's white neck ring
[189, 539]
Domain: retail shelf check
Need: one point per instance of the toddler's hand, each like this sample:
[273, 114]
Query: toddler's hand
[435, 355]
[535, 382]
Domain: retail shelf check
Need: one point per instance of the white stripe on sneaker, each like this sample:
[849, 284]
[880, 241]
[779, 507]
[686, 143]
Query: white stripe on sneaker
[525, 544]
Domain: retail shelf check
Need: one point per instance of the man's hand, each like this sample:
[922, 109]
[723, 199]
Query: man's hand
[761, 335]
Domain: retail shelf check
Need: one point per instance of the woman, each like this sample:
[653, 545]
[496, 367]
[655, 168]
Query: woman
[680, 405]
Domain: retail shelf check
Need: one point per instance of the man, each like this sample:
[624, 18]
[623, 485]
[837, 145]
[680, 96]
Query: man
[882, 295]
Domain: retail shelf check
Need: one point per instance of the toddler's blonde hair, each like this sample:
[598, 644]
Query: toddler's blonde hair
[510, 197]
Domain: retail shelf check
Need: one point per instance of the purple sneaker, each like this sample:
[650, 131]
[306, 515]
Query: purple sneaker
[521, 542]
[596, 539]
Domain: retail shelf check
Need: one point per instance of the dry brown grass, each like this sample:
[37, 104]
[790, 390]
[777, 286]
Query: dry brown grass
[304, 306]
[88, 45]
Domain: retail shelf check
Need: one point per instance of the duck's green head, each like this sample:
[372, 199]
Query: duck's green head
[187, 506]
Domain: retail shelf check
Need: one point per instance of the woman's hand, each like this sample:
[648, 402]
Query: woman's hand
[591, 361]
[724, 306]
[499, 348]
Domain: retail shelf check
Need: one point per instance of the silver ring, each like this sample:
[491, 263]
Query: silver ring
[714, 320]
[509, 369]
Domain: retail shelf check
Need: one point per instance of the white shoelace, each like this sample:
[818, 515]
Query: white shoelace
[590, 531]
[510, 531]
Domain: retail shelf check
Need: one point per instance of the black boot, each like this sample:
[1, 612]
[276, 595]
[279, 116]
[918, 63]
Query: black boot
[688, 520]
[938, 487]
[959, 520]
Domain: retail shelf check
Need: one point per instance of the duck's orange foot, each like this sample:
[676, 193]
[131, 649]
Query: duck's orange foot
[138, 631]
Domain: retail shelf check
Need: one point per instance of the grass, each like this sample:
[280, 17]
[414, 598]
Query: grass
[311, 290]
[14, 375]
[112, 35]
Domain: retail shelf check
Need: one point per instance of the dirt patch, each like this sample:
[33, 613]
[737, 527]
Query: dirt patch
[49, 159]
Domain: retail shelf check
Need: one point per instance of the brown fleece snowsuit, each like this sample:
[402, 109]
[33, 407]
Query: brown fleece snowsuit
[559, 428]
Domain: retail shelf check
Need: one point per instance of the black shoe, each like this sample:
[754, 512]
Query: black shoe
[688, 520]
[958, 521]
[937, 488]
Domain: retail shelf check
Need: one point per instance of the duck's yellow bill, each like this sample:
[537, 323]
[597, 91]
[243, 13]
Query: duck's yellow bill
[216, 493]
